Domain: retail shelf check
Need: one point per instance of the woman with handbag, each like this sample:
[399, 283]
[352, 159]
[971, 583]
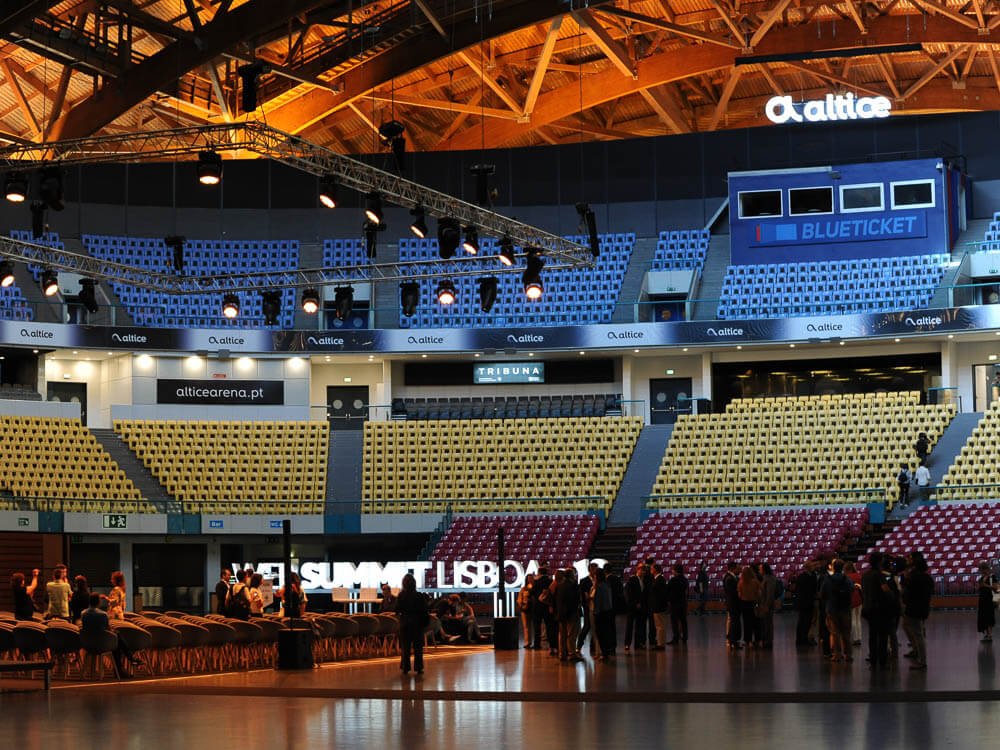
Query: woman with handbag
[524, 603]
[986, 616]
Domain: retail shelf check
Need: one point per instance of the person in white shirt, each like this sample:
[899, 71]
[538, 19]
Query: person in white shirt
[923, 479]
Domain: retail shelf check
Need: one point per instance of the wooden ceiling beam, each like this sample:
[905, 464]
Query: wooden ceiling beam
[889, 74]
[933, 71]
[852, 11]
[994, 66]
[667, 109]
[689, 32]
[772, 81]
[723, 105]
[947, 12]
[541, 66]
[459, 120]
[725, 12]
[446, 106]
[770, 19]
[22, 101]
[611, 47]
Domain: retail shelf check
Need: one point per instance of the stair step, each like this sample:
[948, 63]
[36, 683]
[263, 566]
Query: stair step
[141, 477]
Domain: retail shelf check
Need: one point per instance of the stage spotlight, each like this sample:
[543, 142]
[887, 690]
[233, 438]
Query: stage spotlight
[328, 191]
[6, 274]
[471, 243]
[16, 187]
[343, 301]
[209, 168]
[270, 305]
[409, 298]
[50, 282]
[88, 295]
[506, 251]
[488, 292]
[310, 301]
[588, 220]
[176, 243]
[249, 74]
[230, 306]
[484, 195]
[391, 134]
[373, 208]
[50, 187]
[37, 220]
[449, 234]
[446, 293]
[532, 276]
[419, 224]
[371, 230]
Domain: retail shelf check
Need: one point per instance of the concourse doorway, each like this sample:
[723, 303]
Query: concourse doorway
[668, 399]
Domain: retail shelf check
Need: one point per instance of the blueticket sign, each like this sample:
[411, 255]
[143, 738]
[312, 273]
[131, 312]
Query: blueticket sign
[811, 231]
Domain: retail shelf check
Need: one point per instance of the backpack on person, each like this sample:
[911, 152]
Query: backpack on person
[843, 594]
[903, 477]
[238, 602]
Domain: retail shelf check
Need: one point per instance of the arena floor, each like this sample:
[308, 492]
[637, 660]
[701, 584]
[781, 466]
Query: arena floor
[694, 696]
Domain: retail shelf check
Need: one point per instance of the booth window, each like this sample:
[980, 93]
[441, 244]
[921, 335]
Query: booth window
[861, 198]
[757, 203]
[913, 194]
[814, 200]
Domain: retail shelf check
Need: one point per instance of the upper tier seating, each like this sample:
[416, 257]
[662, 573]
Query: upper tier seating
[49, 239]
[784, 539]
[954, 537]
[201, 258]
[13, 305]
[991, 240]
[17, 392]
[559, 540]
[781, 290]
[679, 250]
[978, 462]
[59, 461]
[572, 296]
[235, 467]
[809, 445]
[522, 465]
[512, 407]
[344, 252]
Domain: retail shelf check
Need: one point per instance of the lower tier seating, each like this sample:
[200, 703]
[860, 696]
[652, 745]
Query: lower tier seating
[784, 539]
[496, 465]
[512, 407]
[954, 537]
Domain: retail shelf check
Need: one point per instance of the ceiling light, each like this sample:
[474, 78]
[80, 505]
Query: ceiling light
[446, 293]
[230, 306]
[449, 234]
[6, 274]
[50, 283]
[419, 224]
[488, 292]
[343, 301]
[50, 187]
[310, 301]
[409, 297]
[391, 134]
[270, 304]
[328, 191]
[209, 168]
[506, 251]
[16, 187]
[373, 208]
[471, 243]
[88, 295]
[531, 279]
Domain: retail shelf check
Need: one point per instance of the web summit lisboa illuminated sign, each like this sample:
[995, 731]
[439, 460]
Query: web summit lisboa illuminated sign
[832, 108]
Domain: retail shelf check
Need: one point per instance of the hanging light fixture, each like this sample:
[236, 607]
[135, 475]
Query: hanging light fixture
[230, 306]
[419, 224]
[471, 242]
[209, 168]
[328, 191]
[446, 294]
[506, 251]
[50, 282]
[532, 276]
[310, 301]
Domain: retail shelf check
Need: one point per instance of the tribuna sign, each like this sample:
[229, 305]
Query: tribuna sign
[832, 108]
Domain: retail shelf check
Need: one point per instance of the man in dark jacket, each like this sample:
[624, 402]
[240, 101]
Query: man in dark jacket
[567, 613]
[730, 582]
[918, 587]
[836, 592]
[879, 606]
[586, 586]
[635, 620]
[658, 606]
[544, 610]
[222, 591]
[677, 598]
[805, 605]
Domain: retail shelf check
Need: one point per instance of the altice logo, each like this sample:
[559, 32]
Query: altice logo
[129, 338]
[324, 341]
[635, 335]
[526, 338]
[927, 320]
[724, 332]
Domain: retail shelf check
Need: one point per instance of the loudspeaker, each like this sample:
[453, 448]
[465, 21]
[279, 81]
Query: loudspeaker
[295, 649]
[505, 635]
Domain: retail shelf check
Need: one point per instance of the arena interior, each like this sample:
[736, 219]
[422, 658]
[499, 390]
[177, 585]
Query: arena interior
[353, 289]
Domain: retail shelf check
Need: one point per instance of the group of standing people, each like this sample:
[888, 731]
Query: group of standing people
[752, 595]
[239, 594]
[650, 598]
[62, 600]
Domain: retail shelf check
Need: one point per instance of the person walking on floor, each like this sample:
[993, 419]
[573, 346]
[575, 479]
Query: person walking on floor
[701, 585]
[918, 587]
[411, 606]
[658, 604]
[635, 619]
[677, 600]
[986, 616]
[748, 590]
[734, 616]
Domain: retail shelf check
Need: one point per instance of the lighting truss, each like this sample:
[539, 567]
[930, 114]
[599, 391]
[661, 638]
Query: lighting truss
[262, 140]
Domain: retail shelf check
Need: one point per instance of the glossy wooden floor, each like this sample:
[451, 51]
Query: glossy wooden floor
[696, 696]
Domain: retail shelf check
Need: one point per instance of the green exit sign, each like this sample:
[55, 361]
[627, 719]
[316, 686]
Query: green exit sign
[115, 521]
[22, 521]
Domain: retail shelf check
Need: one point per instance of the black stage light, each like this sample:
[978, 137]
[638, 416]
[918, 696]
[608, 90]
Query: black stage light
[209, 168]
[373, 208]
[50, 187]
[446, 294]
[409, 298]
[391, 134]
[176, 243]
[588, 220]
[328, 191]
[449, 235]
[50, 282]
[343, 301]
[270, 305]
[532, 276]
[16, 187]
[249, 74]
[419, 224]
[37, 220]
[471, 242]
[371, 230]
[310, 301]
[482, 173]
[88, 295]
[6, 274]
[488, 292]
[506, 251]
[230, 306]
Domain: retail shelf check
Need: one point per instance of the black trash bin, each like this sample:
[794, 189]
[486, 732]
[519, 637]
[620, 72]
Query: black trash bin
[505, 637]
[295, 648]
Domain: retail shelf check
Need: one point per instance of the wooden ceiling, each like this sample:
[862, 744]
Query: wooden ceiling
[468, 74]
